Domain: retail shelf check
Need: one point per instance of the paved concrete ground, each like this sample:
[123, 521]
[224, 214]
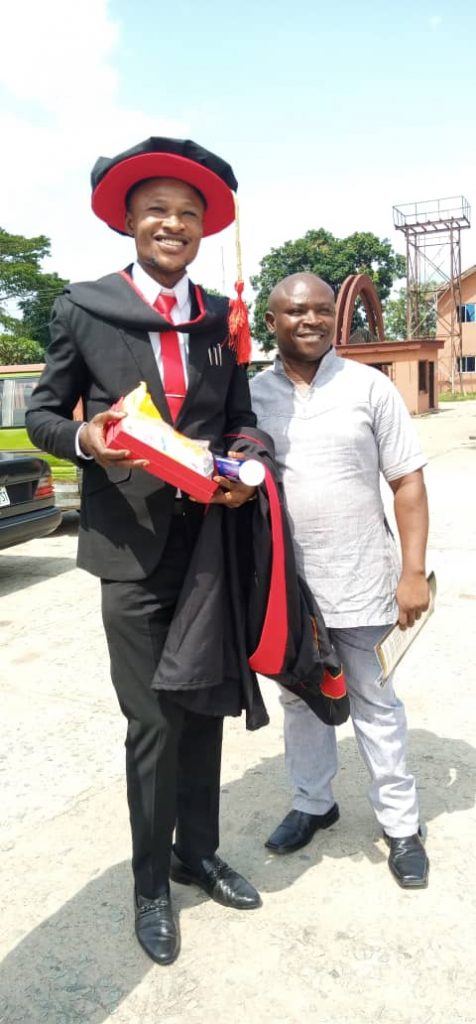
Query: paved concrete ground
[336, 941]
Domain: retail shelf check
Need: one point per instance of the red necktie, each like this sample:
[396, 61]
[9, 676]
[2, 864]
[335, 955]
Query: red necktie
[172, 366]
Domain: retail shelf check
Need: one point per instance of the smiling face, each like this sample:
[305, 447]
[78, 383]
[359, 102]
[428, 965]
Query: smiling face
[165, 216]
[302, 317]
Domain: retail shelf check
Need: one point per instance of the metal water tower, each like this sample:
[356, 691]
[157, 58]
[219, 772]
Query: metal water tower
[432, 232]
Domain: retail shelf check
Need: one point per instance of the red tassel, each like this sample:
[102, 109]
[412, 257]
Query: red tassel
[239, 334]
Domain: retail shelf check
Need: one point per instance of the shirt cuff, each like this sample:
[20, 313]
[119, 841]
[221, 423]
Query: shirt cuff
[77, 447]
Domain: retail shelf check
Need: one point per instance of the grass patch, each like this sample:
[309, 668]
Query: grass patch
[457, 396]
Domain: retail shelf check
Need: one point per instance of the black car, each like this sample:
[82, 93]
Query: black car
[27, 502]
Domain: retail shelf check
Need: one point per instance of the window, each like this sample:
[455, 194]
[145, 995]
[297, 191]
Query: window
[467, 364]
[423, 375]
[21, 396]
[14, 396]
[467, 313]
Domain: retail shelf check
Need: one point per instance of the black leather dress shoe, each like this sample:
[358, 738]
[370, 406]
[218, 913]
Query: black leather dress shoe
[408, 861]
[297, 829]
[156, 928]
[218, 880]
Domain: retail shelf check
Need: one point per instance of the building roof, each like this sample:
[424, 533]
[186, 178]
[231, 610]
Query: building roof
[464, 275]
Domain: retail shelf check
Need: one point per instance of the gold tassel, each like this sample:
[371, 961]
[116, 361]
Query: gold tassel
[239, 333]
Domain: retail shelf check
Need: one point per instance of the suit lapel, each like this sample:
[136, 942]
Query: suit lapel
[140, 348]
[197, 357]
[198, 344]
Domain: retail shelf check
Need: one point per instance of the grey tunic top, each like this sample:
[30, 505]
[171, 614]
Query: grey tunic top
[333, 439]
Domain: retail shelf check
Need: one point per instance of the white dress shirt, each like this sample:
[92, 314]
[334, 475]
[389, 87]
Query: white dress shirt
[179, 313]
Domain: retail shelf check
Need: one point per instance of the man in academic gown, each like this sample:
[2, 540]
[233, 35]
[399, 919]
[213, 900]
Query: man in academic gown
[137, 533]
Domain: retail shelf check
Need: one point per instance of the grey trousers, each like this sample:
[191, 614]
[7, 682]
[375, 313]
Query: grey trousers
[380, 727]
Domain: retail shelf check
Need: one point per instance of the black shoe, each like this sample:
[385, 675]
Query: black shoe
[156, 928]
[408, 861]
[218, 880]
[297, 829]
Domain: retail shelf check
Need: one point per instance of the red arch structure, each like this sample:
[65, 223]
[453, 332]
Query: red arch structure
[358, 286]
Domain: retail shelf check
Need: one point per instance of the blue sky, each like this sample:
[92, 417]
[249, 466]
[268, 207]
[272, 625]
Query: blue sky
[329, 113]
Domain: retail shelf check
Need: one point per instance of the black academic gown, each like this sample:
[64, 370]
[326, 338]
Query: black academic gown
[243, 579]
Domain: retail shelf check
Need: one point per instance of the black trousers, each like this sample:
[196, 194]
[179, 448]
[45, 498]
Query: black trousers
[172, 754]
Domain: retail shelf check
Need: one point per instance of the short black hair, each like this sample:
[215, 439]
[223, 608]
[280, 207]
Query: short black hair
[143, 181]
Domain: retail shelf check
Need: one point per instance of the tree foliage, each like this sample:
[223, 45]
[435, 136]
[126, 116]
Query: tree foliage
[395, 316]
[333, 259]
[22, 281]
[36, 308]
[14, 349]
[20, 264]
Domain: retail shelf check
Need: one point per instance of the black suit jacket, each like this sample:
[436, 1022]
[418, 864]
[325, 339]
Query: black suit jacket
[100, 349]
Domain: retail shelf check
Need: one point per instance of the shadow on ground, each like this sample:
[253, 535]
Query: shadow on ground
[253, 805]
[80, 963]
[68, 526]
[20, 571]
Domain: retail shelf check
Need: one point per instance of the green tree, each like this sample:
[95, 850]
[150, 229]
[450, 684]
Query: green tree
[333, 259]
[395, 315]
[14, 349]
[20, 264]
[23, 281]
[36, 308]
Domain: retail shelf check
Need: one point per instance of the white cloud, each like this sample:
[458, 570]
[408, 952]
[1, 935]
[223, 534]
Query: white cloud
[56, 53]
[435, 21]
[64, 111]
[353, 196]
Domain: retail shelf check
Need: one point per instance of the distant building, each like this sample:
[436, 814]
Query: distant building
[411, 365]
[466, 312]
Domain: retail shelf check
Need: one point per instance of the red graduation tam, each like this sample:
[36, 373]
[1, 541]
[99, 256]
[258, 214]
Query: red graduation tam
[113, 177]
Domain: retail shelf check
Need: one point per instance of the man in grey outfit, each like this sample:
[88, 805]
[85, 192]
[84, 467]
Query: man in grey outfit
[338, 425]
